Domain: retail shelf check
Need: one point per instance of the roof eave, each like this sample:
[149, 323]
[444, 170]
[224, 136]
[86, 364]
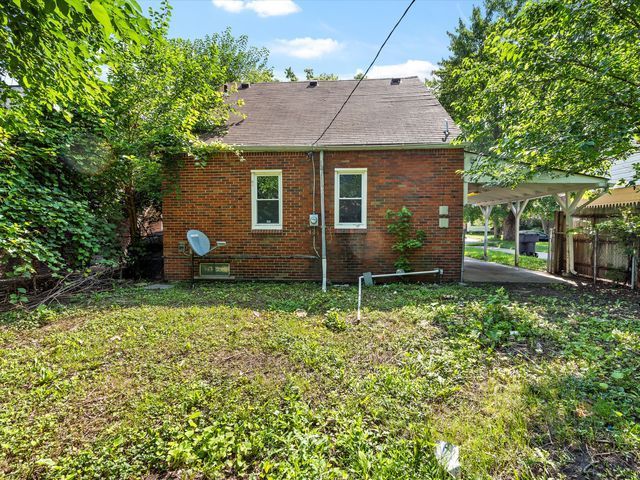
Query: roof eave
[315, 148]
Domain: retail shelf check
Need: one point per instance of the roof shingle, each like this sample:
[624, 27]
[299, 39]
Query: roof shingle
[378, 113]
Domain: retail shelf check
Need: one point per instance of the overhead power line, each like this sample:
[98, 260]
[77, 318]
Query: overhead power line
[366, 71]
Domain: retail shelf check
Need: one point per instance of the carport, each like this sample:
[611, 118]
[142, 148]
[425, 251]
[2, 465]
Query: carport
[567, 188]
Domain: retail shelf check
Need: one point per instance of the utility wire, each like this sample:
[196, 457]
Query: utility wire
[367, 71]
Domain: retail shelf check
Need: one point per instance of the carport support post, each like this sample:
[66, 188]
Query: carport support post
[517, 208]
[486, 211]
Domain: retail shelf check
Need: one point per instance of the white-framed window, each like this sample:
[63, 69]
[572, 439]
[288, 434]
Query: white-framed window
[266, 199]
[350, 198]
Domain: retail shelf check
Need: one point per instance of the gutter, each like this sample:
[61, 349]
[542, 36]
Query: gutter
[341, 148]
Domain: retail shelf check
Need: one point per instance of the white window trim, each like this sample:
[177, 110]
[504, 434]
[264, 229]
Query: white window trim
[336, 208]
[254, 199]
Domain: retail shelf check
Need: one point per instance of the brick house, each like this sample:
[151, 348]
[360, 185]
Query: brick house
[391, 146]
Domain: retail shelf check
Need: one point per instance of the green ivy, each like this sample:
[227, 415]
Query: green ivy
[51, 215]
[406, 241]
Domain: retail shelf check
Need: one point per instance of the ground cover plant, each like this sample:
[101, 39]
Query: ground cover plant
[279, 381]
[504, 258]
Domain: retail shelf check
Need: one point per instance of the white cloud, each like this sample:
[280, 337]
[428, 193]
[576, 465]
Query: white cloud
[420, 68]
[264, 8]
[306, 47]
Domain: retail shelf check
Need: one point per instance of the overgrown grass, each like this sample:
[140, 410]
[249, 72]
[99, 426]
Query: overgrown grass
[503, 258]
[280, 381]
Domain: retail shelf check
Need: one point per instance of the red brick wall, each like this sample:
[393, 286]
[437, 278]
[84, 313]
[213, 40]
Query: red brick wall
[216, 199]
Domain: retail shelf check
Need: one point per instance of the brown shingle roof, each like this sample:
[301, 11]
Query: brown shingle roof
[378, 113]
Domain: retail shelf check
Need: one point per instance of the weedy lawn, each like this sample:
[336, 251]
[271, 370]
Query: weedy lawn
[503, 258]
[280, 381]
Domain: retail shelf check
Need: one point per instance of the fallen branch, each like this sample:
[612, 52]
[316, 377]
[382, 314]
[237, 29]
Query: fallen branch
[73, 284]
[63, 288]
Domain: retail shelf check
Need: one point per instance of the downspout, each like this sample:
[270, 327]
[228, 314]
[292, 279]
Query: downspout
[323, 224]
[570, 246]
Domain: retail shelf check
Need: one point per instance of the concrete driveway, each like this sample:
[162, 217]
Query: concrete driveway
[478, 271]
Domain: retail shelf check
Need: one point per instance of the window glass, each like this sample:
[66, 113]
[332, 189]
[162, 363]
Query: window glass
[351, 185]
[350, 211]
[266, 192]
[268, 211]
[268, 187]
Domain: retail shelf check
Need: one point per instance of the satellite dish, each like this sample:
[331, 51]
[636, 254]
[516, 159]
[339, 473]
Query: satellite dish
[199, 242]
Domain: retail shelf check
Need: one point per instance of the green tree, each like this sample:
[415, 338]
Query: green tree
[56, 209]
[241, 61]
[328, 76]
[291, 76]
[58, 204]
[56, 52]
[66, 185]
[359, 76]
[565, 78]
[164, 99]
[452, 83]
[310, 75]
[542, 209]
[499, 213]
[471, 213]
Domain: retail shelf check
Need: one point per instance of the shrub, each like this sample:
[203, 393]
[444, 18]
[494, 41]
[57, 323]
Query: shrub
[496, 320]
[334, 322]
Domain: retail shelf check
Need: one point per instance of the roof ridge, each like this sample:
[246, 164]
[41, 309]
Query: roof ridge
[287, 82]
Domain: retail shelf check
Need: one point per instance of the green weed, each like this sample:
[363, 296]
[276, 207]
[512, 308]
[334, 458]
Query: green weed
[232, 381]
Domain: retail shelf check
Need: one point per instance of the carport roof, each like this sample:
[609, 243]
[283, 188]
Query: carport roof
[480, 191]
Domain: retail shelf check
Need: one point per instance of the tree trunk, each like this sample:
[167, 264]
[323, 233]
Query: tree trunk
[509, 230]
[496, 230]
[546, 224]
[132, 215]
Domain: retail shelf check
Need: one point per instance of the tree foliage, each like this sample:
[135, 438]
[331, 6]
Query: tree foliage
[471, 213]
[240, 61]
[553, 84]
[165, 98]
[290, 74]
[56, 206]
[309, 73]
[56, 49]
[50, 210]
[70, 177]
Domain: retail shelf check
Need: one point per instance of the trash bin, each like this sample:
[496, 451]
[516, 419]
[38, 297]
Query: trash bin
[528, 244]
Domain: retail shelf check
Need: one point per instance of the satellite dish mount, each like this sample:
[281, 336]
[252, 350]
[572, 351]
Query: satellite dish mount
[200, 246]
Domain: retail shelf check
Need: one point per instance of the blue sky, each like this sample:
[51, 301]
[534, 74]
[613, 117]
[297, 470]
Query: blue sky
[333, 36]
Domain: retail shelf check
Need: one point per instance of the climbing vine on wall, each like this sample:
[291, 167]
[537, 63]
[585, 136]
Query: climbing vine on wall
[407, 240]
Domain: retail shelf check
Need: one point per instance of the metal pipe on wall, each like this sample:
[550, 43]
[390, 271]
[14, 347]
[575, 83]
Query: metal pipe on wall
[323, 224]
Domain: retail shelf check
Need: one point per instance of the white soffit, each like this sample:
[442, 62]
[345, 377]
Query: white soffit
[481, 192]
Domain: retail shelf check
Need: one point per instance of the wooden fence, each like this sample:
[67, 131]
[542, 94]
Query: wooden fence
[596, 256]
[609, 258]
